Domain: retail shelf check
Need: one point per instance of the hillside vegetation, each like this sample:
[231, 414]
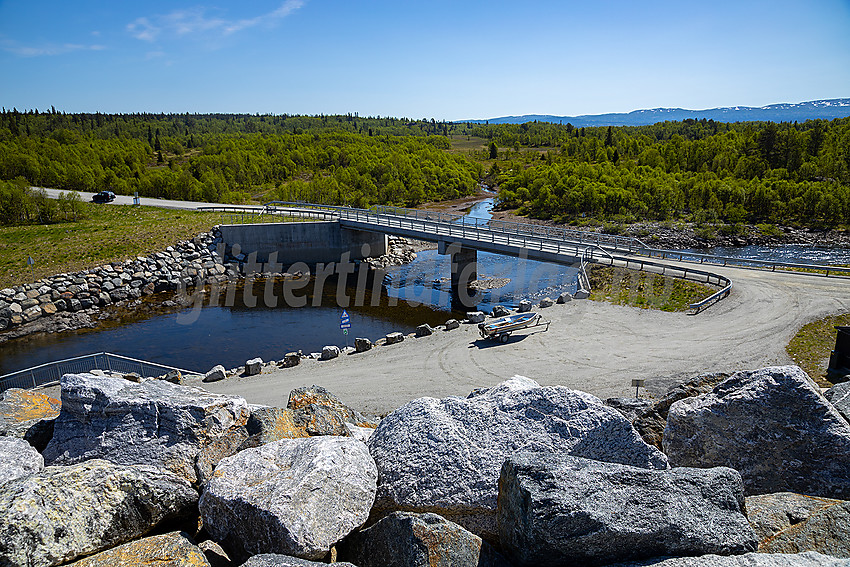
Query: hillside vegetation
[701, 171]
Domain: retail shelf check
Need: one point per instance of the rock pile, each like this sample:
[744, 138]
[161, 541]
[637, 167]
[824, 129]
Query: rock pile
[399, 253]
[182, 264]
[513, 475]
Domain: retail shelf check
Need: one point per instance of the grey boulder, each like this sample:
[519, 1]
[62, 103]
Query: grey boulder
[215, 374]
[770, 514]
[444, 456]
[651, 422]
[801, 523]
[393, 338]
[61, 513]
[407, 539]
[253, 367]
[773, 426]
[277, 560]
[329, 352]
[631, 408]
[808, 559]
[294, 497]
[362, 344]
[452, 324]
[564, 297]
[184, 430]
[839, 397]
[17, 459]
[475, 317]
[524, 306]
[424, 330]
[560, 510]
[500, 311]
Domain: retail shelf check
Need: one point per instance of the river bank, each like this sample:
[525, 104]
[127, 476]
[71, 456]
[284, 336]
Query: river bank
[590, 346]
[675, 235]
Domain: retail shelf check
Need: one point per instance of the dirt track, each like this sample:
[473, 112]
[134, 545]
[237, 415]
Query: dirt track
[590, 346]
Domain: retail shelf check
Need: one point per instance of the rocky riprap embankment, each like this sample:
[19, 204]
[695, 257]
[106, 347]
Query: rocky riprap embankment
[73, 300]
[399, 253]
[148, 472]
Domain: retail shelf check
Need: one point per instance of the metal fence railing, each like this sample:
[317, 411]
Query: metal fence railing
[53, 371]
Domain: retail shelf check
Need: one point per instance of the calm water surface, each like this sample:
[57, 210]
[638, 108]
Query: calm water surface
[199, 339]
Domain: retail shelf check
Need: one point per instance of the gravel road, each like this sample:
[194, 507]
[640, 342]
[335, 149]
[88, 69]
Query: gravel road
[590, 346]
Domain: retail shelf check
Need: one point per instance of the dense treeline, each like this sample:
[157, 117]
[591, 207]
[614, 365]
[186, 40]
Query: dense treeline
[230, 158]
[699, 170]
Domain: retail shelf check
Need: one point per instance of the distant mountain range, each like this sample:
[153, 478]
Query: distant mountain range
[786, 112]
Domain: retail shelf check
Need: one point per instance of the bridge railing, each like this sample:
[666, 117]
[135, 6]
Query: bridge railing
[53, 371]
[772, 265]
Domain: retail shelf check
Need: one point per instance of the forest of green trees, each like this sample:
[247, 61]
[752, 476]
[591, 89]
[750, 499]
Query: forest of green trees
[702, 171]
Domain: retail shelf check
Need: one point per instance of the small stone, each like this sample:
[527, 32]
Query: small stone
[475, 317]
[581, 294]
[452, 324]
[253, 367]
[524, 306]
[215, 374]
[501, 311]
[565, 297]
[291, 359]
[393, 338]
[329, 352]
[362, 344]
[546, 302]
[424, 330]
[175, 377]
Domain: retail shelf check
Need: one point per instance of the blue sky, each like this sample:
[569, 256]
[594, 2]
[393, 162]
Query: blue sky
[438, 59]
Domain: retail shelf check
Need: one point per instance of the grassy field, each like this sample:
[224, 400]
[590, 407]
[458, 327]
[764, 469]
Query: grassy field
[811, 346]
[108, 233]
[641, 289]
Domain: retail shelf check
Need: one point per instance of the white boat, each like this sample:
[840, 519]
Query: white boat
[501, 328]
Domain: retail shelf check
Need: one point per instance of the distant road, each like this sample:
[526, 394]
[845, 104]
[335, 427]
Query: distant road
[128, 200]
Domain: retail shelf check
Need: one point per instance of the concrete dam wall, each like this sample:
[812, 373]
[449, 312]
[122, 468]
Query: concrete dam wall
[308, 242]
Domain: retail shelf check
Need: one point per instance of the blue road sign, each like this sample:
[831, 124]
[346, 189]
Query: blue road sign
[344, 321]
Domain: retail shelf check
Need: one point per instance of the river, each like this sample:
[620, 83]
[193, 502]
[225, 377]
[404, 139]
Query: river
[412, 294]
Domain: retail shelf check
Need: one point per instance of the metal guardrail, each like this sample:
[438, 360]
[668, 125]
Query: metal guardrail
[53, 371]
[682, 256]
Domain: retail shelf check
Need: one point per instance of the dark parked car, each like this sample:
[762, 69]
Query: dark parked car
[103, 197]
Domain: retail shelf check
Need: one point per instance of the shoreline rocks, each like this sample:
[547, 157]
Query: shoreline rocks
[278, 498]
[772, 425]
[445, 455]
[61, 513]
[181, 429]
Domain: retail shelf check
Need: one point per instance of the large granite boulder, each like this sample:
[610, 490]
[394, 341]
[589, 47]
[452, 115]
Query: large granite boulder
[185, 430]
[18, 458]
[839, 397]
[174, 549]
[808, 559]
[322, 413]
[62, 513]
[650, 422]
[295, 496]
[770, 514]
[408, 539]
[268, 424]
[773, 426]
[253, 367]
[793, 523]
[562, 510]
[444, 456]
[28, 415]
[277, 560]
[631, 408]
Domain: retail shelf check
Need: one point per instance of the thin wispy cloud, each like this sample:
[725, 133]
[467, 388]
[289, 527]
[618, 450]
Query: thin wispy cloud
[196, 21]
[48, 49]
